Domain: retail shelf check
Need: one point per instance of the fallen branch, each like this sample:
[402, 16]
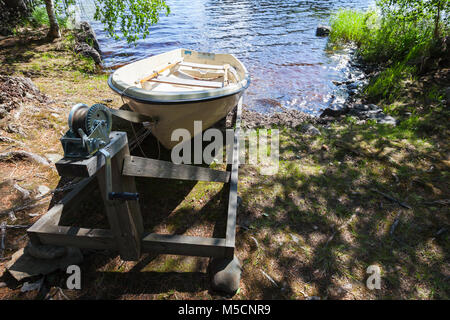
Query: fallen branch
[17, 226]
[342, 226]
[29, 205]
[24, 155]
[394, 225]
[256, 242]
[268, 277]
[25, 193]
[443, 202]
[2, 240]
[63, 295]
[10, 140]
[392, 199]
[21, 208]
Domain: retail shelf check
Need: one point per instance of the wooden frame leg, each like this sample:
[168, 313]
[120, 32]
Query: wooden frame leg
[124, 217]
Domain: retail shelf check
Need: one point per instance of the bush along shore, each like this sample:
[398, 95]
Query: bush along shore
[401, 59]
[350, 191]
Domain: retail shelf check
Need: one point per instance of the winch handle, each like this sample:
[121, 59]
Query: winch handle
[123, 196]
[111, 195]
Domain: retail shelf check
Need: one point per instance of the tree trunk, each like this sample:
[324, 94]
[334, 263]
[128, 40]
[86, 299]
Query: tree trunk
[54, 27]
[437, 20]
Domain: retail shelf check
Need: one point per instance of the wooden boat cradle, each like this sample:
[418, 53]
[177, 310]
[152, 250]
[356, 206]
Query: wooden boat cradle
[126, 234]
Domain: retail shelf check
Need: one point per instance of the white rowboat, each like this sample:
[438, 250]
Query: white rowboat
[179, 87]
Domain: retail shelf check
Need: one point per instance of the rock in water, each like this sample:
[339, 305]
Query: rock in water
[323, 31]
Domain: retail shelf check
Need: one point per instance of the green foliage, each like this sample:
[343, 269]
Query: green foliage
[132, 18]
[351, 26]
[386, 84]
[398, 36]
[394, 42]
[414, 11]
[39, 18]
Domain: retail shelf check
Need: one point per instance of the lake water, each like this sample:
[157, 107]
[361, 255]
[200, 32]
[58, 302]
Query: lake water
[274, 39]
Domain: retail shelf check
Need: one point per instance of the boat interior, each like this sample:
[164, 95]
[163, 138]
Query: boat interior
[192, 71]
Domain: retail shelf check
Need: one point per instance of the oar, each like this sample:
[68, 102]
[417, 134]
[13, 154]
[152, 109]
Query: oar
[155, 74]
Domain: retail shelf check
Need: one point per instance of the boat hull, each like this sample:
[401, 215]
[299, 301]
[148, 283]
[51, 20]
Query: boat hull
[173, 116]
[178, 99]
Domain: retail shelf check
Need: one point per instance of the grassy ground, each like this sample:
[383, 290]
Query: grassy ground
[314, 227]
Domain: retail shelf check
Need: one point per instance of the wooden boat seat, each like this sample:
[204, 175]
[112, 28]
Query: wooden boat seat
[187, 82]
[201, 66]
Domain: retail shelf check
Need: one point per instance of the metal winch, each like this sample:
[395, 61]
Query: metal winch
[89, 129]
[88, 134]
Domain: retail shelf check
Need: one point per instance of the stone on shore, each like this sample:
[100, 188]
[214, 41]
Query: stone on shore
[88, 51]
[86, 34]
[23, 265]
[309, 129]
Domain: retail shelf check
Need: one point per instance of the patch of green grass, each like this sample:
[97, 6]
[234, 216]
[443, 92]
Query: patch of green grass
[397, 44]
[350, 26]
[386, 85]
[39, 18]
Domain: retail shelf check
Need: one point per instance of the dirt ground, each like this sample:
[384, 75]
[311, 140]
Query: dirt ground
[358, 194]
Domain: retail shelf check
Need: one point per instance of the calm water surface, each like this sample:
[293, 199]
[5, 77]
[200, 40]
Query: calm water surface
[274, 39]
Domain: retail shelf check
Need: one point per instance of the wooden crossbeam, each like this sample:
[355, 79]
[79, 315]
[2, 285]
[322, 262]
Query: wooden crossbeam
[99, 239]
[186, 245]
[47, 231]
[152, 168]
[88, 167]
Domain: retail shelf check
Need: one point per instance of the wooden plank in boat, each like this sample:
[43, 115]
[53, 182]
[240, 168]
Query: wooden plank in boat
[201, 66]
[188, 82]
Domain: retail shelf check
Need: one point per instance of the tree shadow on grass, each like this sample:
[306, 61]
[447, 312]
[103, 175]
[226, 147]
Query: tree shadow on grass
[319, 226]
